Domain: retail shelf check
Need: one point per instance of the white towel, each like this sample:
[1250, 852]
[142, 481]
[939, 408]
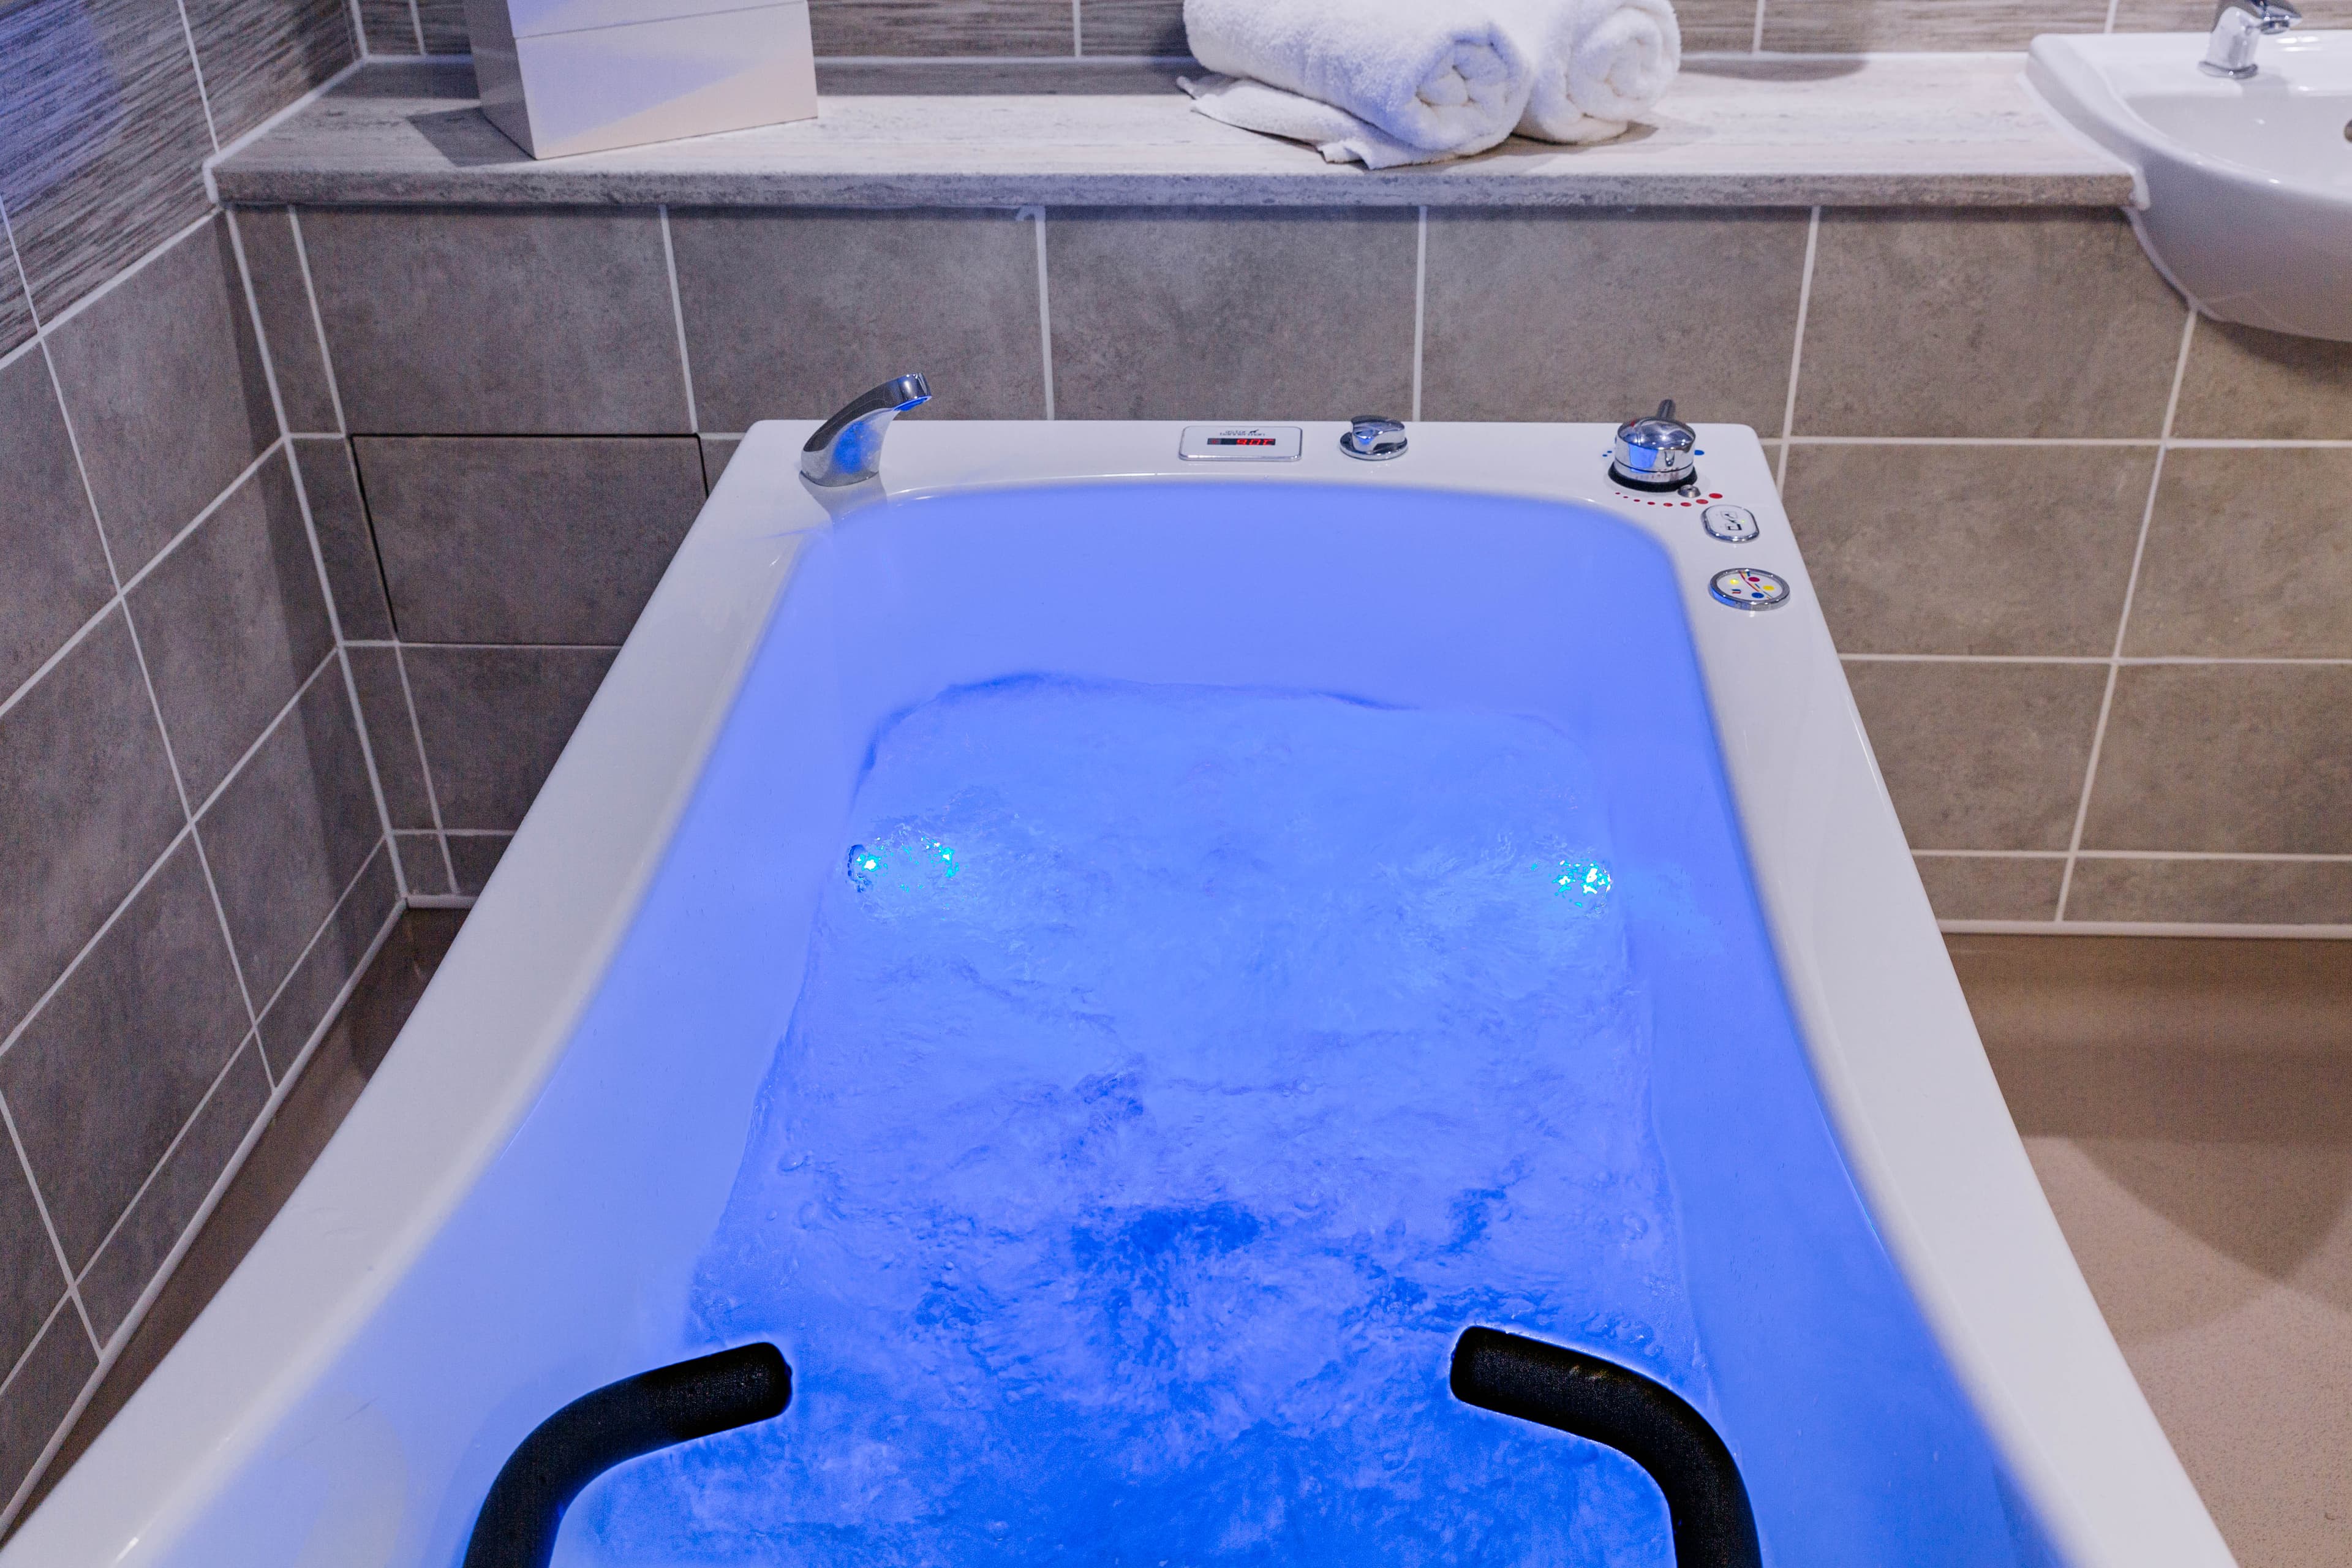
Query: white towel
[1599, 64]
[1338, 135]
[1440, 79]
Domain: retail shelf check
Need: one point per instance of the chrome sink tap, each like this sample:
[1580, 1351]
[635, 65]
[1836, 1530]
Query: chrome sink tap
[846, 449]
[2238, 26]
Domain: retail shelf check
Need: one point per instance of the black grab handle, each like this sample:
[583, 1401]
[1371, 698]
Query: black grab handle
[1647, 1422]
[669, 1405]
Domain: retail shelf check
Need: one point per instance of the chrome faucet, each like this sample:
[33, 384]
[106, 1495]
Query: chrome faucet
[847, 448]
[2238, 26]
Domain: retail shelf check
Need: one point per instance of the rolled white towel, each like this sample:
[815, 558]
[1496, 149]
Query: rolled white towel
[1598, 64]
[1444, 78]
[1338, 135]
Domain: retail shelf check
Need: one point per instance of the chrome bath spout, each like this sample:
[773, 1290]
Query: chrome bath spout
[847, 448]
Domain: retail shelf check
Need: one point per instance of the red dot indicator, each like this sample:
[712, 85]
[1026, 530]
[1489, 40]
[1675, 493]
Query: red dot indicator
[1714, 495]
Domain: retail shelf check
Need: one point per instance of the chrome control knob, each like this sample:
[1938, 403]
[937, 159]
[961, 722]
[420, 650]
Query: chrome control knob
[1655, 453]
[1373, 439]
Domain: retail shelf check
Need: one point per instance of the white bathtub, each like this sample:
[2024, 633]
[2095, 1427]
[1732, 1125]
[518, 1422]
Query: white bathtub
[512, 1212]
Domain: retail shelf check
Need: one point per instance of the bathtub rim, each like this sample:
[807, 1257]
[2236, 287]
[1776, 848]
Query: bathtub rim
[1894, 1050]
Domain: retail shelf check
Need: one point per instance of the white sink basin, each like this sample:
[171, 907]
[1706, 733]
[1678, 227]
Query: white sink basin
[2245, 187]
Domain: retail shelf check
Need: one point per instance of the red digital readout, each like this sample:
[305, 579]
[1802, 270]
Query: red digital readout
[1241, 440]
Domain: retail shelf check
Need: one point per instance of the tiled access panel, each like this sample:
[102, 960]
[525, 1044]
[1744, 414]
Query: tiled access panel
[2130, 715]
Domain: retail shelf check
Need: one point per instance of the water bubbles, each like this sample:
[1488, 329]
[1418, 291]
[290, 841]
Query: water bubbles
[1584, 883]
[905, 861]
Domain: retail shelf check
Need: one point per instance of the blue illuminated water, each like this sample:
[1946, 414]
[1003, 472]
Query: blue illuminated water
[1176, 1073]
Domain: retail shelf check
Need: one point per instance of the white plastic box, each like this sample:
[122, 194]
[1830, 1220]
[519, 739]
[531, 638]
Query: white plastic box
[578, 76]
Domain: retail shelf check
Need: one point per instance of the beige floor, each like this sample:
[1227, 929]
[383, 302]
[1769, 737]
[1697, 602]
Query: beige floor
[2188, 1104]
[2188, 1107]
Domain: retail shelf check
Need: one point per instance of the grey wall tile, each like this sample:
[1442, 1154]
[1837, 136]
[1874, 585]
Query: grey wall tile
[1856, 26]
[88, 796]
[1985, 323]
[940, 26]
[495, 720]
[2245, 384]
[1226, 314]
[1516, 304]
[53, 574]
[2237, 758]
[1715, 26]
[2248, 556]
[2195, 16]
[2046, 533]
[1991, 887]
[233, 622]
[716, 452]
[521, 540]
[346, 544]
[290, 329]
[422, 863]
[290, 831]
[2218, 892]
[390, 27]
[476, 856]
[444, 21]
[163, 384]
[107, 134]
[1981, 756]
[33, 1404]
[302, 1004]
[105, 1075]
[17, 323]
[790, 315]
[1133, 27]
[111, 1284]
[258, 56]
[392, 736]
[30, 1281]
[542, 322]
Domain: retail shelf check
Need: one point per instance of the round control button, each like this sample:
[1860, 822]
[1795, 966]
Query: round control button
[1731, 524]
[1746, 588]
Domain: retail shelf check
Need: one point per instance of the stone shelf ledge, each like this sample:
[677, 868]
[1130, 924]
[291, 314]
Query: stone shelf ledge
[1791, 131]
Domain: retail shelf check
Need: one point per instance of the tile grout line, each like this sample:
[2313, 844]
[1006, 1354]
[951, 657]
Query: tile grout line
[1804, 311]
[488, 646]
[204, 99]
[23, 1358]
[678, 319]
[277, 719]
[425, 768]
[1045, 304]
[138, 649]
[1420, 305]
[318, 566]
[48, 993]
[1078, 32]
[236, 1162]
[1756, 37]
[416, 21]
[317, 322]
[267, 124]
[2254, 856]
[250, 1037]
[113, 1351]
[359, 32]
[2123, 620]
[73, 1286]
[2151, 929]
[44, 328]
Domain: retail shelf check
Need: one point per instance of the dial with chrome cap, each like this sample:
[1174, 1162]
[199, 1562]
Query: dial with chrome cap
[1656, 452]
[1373, 439]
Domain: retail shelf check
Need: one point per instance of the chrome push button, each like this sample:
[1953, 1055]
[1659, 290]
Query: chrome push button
[1731, 524]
